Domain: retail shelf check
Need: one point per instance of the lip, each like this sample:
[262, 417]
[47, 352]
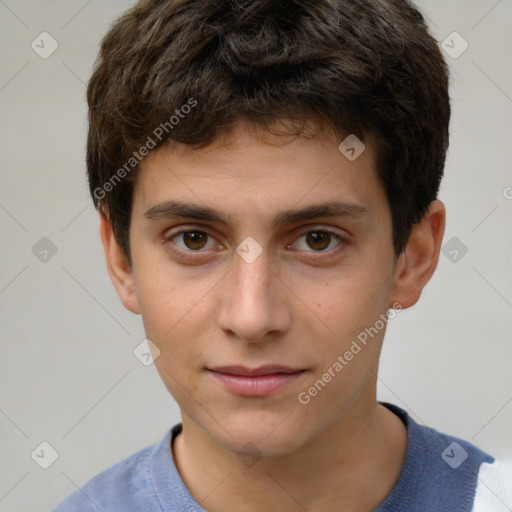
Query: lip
[260, 381]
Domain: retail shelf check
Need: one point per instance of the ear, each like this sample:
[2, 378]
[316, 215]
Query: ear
[118, 267]
[416, 264]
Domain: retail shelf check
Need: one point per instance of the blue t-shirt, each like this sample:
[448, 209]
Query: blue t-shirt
[440, 474]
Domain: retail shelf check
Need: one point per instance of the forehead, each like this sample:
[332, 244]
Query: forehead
[247, 171]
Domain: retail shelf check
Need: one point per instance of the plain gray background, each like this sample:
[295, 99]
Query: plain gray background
[68, 373]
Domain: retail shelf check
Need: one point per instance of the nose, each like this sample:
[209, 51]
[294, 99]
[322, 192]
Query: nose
[253, 305]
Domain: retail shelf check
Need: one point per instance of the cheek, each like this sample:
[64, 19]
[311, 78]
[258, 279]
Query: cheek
[347, 351]
[172, 311]
[167, 295]
[346, 303]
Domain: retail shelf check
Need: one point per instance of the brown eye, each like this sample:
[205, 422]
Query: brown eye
[191, 245]
[194, 240]
[318, 240]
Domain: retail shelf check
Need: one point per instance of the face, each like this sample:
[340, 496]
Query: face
[256, 265]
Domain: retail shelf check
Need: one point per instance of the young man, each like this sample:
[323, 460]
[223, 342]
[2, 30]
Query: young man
[266, 174]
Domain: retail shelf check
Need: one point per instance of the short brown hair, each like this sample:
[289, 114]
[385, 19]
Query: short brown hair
[361, 66]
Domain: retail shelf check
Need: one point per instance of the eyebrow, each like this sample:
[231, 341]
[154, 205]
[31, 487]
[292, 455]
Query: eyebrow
[179, 209]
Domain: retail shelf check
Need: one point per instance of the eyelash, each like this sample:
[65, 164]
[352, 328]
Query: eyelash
[312, 254]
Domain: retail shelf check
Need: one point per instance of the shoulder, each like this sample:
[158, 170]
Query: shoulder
[450, 470]
[126, 486]
[441, 471]
[494, 488]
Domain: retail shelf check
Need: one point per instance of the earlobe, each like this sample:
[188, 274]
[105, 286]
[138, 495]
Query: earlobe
[118, 267]
[417, 263]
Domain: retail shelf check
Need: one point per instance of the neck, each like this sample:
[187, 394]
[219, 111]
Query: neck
[355, 463]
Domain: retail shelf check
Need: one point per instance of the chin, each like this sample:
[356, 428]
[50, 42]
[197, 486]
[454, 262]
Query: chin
[260, 433]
